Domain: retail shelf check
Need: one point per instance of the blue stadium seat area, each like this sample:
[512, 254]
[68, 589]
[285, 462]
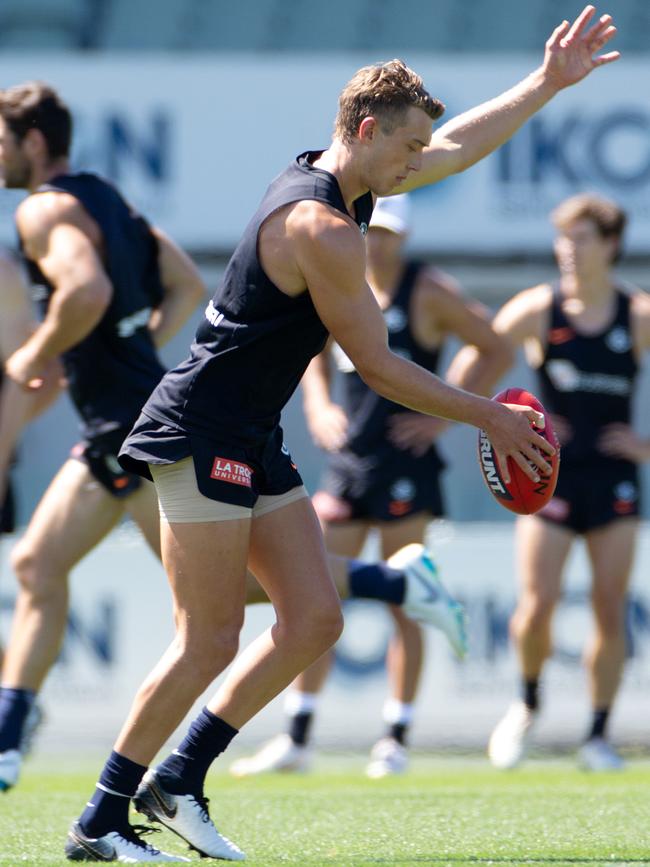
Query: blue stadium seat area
[388, 27]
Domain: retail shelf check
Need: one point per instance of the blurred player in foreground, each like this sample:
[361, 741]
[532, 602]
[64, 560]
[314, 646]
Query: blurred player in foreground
[210, 433]
[585, 337]
[383, 469]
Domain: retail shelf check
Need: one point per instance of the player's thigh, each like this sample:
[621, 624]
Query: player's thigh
[346, 538]
[206, 566]
[396, 534]
[142, 505]
[611, 550]
[289, 559]
[542, 550]
[73, 516]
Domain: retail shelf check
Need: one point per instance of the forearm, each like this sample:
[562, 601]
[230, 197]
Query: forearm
[316, 385]
[15, 410]
[477, 372]
[168, 319]
[411, 386]
[70, 319]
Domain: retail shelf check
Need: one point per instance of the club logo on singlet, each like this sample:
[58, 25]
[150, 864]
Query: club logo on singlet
[618, 339]
[395, 319]
[226, 470]
[363, 228]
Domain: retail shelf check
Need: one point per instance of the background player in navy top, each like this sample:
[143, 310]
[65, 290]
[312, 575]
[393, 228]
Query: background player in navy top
[585, 337]
[210, 433]
[383, 469]
[113, 289]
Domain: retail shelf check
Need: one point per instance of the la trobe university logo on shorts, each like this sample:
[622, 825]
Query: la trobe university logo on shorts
[225, 470]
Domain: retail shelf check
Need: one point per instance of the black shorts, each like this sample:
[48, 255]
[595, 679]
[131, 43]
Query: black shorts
[385, 487]
[592, 496]
[100, 454]
[227, 471]
[8, 511]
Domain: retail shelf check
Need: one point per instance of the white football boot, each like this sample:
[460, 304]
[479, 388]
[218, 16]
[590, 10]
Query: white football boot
[427, 599]
[115, 846]
[597, 754]
[280, 754]
[10, 763]
[510, 739]
[186, 816]
[387, 757]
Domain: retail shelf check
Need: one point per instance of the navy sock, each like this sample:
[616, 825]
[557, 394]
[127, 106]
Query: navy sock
[530, 693]
[398, 731]
[376, 581]
[299, 728]
[108, 810]
[598, 723]
[15, 704]
[184, 771]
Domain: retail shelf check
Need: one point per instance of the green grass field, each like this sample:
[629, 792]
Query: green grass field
[444, 812]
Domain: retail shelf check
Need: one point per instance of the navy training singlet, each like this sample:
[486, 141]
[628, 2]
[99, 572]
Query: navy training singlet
[367, 411]
[113, 370]
[588, 379]
[255, 341]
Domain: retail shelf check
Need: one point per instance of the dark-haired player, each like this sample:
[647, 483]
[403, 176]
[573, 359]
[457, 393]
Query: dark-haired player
[585, 336]
[210, 435]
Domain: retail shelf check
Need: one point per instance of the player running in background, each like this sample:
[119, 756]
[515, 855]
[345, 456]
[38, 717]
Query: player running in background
[383, 469]
[113, 289]
[210, 436]
[585, 337]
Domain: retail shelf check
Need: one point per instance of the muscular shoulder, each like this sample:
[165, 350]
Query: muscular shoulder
[38, 215]
[324, 234]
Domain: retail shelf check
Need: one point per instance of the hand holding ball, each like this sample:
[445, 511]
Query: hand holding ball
[520, 494]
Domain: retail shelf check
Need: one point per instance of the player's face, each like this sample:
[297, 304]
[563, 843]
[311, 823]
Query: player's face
[395, 155]
[15, 169]
[581, 250]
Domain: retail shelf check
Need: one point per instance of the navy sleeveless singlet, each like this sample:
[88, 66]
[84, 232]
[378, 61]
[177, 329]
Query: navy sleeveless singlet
[250, 351]
[588, 379]
[113, 370]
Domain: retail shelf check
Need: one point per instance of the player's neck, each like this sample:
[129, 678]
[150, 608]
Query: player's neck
[339, 161]
[594, 291]
[43, 174]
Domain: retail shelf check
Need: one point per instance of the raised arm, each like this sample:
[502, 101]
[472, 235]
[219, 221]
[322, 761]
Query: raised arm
[571, 54]
[330, 254]
[184, 288]
[54, 230]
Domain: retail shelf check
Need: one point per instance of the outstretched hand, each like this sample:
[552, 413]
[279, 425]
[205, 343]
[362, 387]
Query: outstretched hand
[572, 49]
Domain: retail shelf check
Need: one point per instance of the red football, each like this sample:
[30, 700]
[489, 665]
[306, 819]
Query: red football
[521, 495]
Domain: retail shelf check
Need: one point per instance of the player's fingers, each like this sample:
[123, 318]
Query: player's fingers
[537, 418]
[557, 35]
[597, 43]
[536, 458]
[581, 22]
[607, 58]
[535, 442]
[34, 384]
[502, 462]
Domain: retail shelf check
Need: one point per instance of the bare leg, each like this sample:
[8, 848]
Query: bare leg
[542, 549]
[73, 516]
[206, 566]
[288, 557]
[406, 649]
[611, 551]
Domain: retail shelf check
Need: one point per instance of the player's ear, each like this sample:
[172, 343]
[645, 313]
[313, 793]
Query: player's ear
[367, 129]
[34, 143]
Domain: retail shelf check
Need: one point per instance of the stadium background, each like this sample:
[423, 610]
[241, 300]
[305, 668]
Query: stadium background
[192, 106]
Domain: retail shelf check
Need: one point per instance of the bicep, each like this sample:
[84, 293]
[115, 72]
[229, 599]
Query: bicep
[70, 260]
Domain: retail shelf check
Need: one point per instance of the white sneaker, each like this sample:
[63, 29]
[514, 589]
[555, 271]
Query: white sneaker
[115, 846]
[186, 816]
[510, 739]
[279, 754]
[10, 762]
[427, 599]
[387, 757]
[597, 754]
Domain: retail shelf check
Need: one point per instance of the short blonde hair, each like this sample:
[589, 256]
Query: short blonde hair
[384, 91]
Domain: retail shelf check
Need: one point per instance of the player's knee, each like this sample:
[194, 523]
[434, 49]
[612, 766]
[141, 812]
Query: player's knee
[323, 628]
[609, 611]
[532, 616]
[207, 655]
[33, 573]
